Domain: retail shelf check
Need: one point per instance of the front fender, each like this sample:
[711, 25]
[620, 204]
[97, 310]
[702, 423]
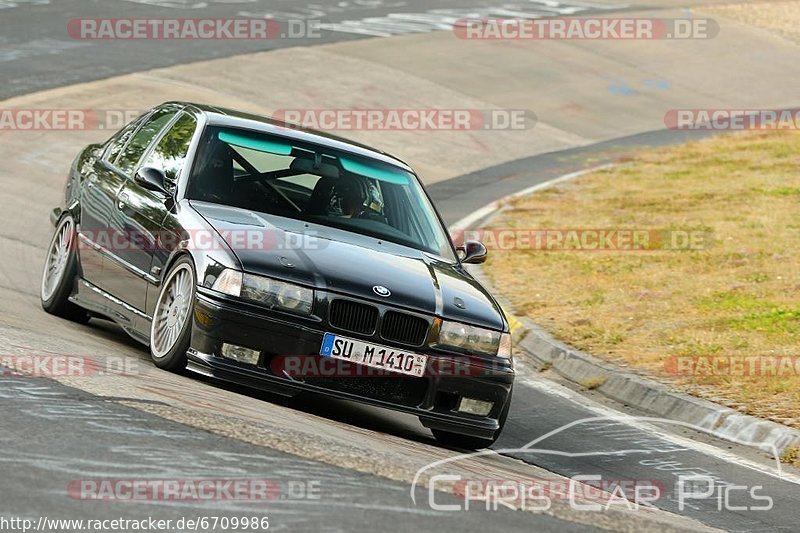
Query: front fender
[210, 256]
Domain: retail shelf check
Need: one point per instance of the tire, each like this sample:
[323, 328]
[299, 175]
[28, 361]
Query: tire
[457, 440]
[60, 272]
[171, 328]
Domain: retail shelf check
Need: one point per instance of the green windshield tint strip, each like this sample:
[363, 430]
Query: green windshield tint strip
[259, 143]
[381, 173]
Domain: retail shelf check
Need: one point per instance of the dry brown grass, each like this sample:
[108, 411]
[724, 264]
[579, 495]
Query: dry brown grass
[738, 297]
[782, 18]
[593, 382]
[791, 456]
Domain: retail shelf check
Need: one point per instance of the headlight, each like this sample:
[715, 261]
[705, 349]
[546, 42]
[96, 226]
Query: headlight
[229, 282]
[266, 291]
[469, 338]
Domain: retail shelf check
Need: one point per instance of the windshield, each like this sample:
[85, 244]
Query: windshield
[279, 176]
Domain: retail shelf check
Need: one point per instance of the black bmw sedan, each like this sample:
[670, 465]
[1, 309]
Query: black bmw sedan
[288, 260]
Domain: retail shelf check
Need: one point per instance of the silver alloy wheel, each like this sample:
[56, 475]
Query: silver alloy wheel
[172, 310]
[57, 257]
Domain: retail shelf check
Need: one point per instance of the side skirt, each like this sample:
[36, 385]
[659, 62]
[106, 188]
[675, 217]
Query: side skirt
[94, 299]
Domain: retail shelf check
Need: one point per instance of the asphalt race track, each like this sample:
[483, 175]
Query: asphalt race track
[335, 466]
[37, 55]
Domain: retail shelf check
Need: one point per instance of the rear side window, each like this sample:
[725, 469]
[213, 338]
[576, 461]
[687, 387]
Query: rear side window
[121, 139]
[169, 154]
[142, 139]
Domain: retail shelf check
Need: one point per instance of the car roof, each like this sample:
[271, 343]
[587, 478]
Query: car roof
[220, 116]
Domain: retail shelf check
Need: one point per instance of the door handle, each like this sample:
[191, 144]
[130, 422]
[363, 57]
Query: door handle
[122, 200]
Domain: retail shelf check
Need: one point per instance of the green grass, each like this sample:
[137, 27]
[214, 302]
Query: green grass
[737, 295]
[775, 321]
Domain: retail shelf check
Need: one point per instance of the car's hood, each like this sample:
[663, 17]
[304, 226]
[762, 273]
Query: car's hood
[346, 263]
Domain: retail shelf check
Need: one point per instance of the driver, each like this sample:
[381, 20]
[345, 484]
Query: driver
[354, 196]
[351, 195]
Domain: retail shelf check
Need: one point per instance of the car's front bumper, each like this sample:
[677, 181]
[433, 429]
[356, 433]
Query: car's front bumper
[433, 398]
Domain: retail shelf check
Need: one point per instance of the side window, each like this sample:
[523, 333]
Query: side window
[142, 139]
[119, 141]
[170, 153]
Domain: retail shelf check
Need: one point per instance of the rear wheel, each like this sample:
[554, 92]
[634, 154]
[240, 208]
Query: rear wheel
[457, 440]
[171, 329]
[60, 272]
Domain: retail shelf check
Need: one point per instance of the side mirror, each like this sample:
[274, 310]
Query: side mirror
[152, 179]
[473, 252]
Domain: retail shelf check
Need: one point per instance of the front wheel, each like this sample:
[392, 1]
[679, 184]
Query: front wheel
[473, 443]
[60, 272]
[171, 329]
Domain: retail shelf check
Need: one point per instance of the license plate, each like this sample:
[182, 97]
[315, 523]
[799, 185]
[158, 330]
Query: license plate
[373, 355]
